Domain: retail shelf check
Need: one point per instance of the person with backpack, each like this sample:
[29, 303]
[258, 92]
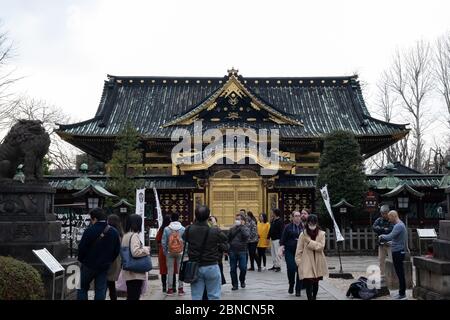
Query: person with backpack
[238, 238]
[203, 245]
[172, 243]
[98, 248]
[310, 258]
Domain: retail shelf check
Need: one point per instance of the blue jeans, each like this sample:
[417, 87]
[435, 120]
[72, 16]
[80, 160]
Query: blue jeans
[208, 277]
[238, 258]
[86, 277]
[292, 269]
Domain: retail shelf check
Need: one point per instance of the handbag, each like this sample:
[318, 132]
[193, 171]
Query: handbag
[133, 264]
[189, 269]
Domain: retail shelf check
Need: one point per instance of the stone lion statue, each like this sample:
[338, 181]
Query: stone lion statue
[26, 143]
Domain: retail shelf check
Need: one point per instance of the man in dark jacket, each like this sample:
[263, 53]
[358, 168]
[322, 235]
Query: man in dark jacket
[238, 239]
[98, 248]
[383, 226]
[288, 245]
[206, 253]
[276, 228]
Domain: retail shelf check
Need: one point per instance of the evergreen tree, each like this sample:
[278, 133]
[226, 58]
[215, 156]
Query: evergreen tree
[341, 168]
[46, 163]
[125, 164]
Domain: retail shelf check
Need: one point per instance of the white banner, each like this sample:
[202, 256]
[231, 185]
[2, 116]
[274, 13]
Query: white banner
[326, 199]
[158, 208]
[140, 210]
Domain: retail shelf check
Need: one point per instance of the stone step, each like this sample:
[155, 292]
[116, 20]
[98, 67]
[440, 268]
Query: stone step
[434, 265]
[444, 230]
[441, 249]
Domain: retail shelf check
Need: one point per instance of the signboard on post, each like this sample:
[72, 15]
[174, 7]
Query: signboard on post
[152, 233]
[53, 266]
[424, 235]
[140, 210]
[49, 260]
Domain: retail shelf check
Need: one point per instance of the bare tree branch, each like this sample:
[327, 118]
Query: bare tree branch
[442, 69]
[6, 78]
[61, 154]
[410, 78]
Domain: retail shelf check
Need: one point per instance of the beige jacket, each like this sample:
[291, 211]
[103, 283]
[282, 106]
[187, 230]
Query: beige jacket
[309, 256]
[137, 250]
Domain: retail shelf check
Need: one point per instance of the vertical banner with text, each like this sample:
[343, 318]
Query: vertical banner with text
[140, 210]
[326, 199]
[158, 208]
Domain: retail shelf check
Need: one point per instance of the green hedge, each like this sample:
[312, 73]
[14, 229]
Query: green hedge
[19, 281]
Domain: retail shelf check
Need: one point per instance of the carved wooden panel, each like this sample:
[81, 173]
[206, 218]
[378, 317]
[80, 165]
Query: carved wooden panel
[295, 200]
[247, 195]
[176, 202]
[223, 195]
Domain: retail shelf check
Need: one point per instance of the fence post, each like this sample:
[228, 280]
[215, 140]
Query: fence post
[358, 237]
[366, 239]
[328, 239]
[410, 240]
[373, 239]
[351, 239]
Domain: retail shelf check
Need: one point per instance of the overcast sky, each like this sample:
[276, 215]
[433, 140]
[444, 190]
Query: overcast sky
[65, 48]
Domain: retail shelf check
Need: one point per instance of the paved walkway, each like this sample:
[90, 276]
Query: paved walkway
[269, 285]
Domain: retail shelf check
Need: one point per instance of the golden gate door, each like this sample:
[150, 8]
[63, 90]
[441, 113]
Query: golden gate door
[229, 195]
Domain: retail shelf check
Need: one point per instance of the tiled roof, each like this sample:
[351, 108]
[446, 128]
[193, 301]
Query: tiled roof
[309, 180]
[416, 180]
[399, 169]
[322, 104]
[160, 182]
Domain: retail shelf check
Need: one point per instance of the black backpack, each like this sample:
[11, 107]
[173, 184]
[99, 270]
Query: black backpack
[360, 290]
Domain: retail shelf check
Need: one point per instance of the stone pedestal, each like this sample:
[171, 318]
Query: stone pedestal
[433, 274]
[27, 223]
[391, 276]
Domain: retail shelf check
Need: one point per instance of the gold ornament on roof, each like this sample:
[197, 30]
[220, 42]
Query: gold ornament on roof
[233, 116]
[233, 72]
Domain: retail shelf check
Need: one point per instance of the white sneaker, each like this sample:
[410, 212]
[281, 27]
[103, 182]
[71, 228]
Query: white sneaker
[264, 269]
[400, 297]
